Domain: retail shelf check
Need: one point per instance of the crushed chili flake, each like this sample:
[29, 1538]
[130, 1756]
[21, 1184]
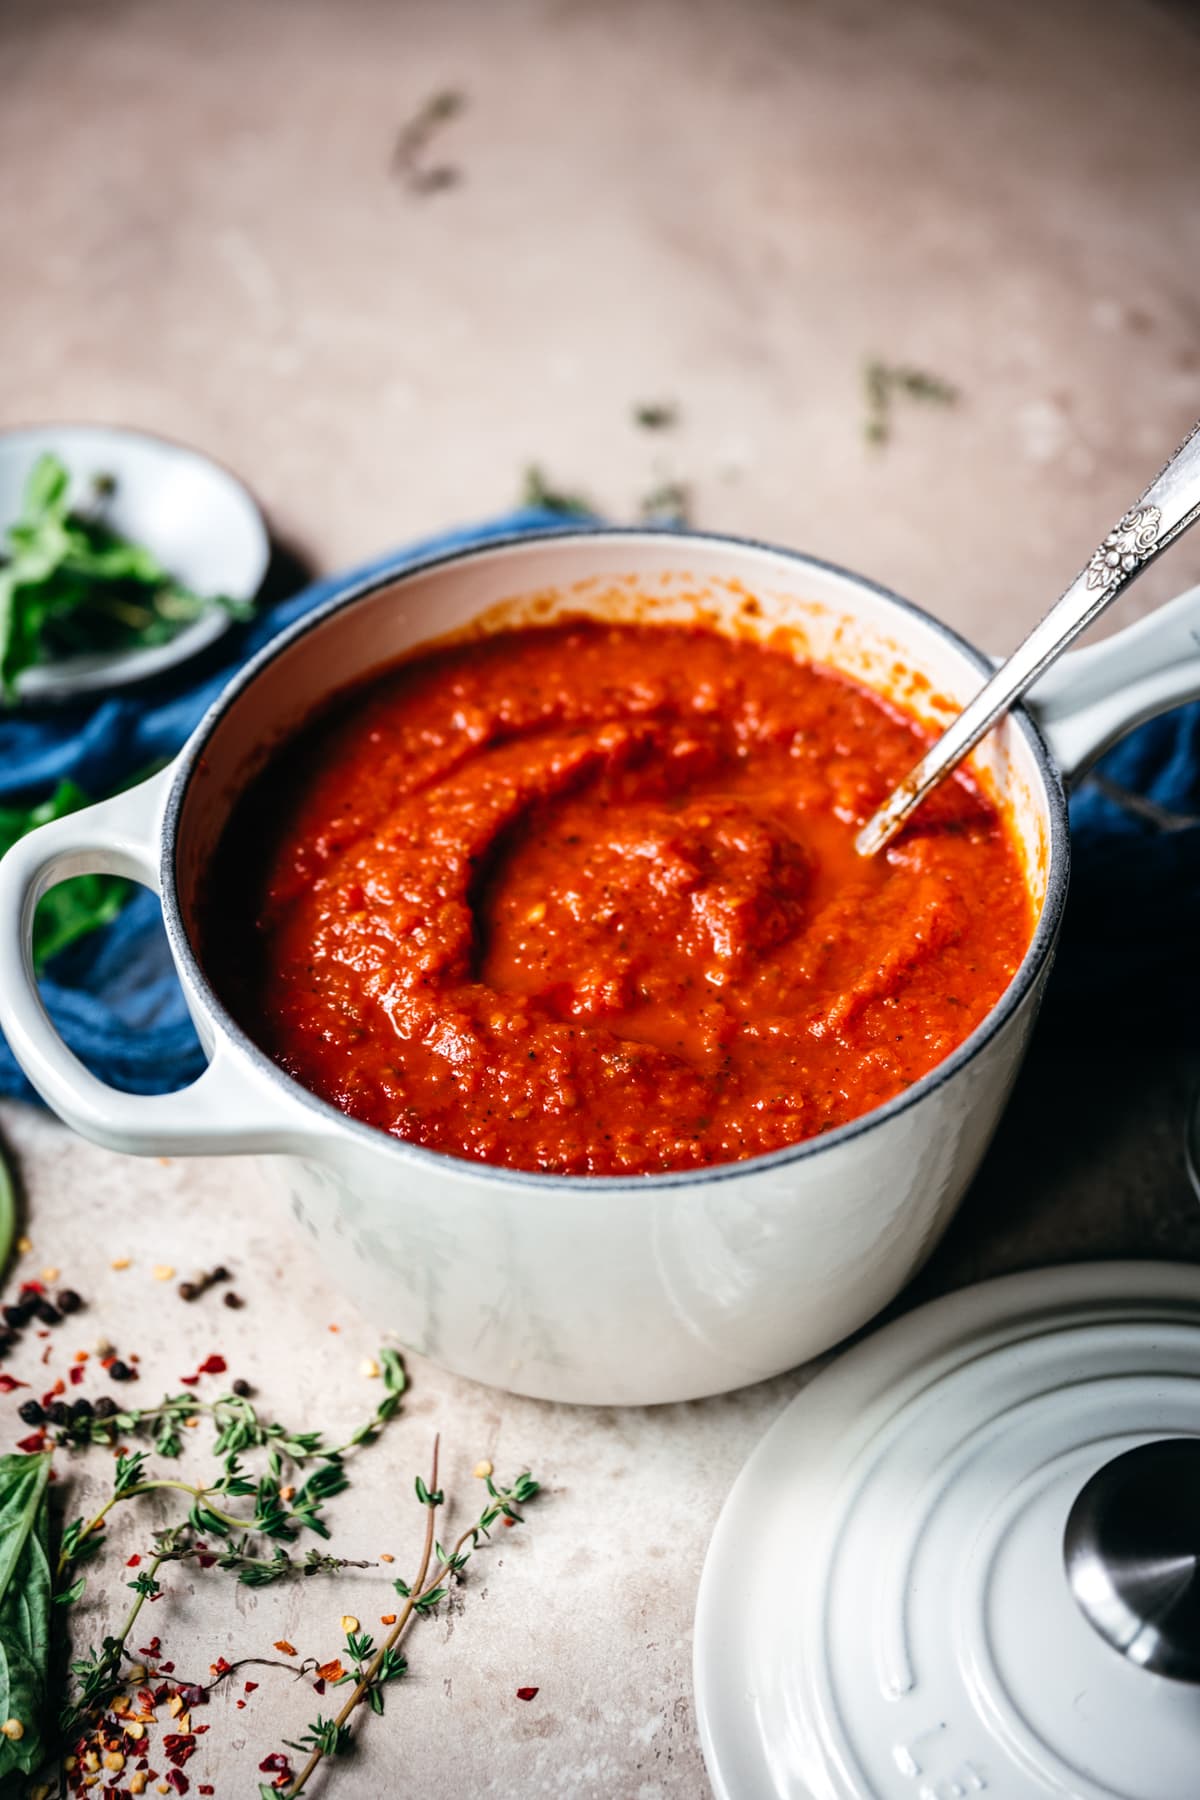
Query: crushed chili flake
[152, 1648]
[9, 1384]
[274, 1764]
[206, 1559]
[283, 1647]
[36, 1441]
[167, 1668]
[527, 1693]
[250, 1687]
[76, 1375]
[190, 1380]
[178, 1746]
[331, 1671]
[202, 1787]
[240, 1704]
[212, 1365]
[32, 1287]
[318, 1686]
[178, 1780]
[387, 1618]
[133, 1562]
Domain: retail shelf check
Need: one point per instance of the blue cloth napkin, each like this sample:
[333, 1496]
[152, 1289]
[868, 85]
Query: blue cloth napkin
[1126, 961]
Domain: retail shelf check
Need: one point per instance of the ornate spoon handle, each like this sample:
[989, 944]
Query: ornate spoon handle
[1169, 505]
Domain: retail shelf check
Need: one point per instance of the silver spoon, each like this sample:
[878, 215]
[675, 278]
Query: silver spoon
[1169, 505]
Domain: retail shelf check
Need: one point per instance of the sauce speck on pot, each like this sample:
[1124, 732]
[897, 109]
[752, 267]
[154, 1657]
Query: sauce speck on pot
[584, 898]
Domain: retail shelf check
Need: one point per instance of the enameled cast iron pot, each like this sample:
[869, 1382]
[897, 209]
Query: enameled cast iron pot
[631, 1290]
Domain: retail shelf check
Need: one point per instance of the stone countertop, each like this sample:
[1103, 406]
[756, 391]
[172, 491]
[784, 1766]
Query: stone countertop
[725, 207]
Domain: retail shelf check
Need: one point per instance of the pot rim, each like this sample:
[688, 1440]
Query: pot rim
[418, 1155]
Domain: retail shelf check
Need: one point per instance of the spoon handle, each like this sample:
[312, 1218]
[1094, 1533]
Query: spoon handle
[1169, 505]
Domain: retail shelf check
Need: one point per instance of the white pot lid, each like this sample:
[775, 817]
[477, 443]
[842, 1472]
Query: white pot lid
[885, 1612]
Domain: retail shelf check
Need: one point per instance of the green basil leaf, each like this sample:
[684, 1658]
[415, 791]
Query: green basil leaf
[25, 1590]
[73, 908]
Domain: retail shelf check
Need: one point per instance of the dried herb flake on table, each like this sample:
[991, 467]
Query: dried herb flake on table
[72, 585]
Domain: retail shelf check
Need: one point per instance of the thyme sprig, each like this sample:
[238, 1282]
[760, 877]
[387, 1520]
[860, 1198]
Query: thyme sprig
[372, 1669]
[280, 1511]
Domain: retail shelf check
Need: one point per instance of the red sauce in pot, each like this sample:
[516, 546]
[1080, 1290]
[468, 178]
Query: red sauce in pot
[585, 899]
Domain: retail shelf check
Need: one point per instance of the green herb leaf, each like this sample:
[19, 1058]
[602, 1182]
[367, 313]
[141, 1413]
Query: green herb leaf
[540, 493]
[73, 908]
[72, 585]
[25, 1589]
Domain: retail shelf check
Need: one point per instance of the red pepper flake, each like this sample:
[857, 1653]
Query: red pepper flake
[213, 1365]
[32, 1287]
[178, 1780]
[275, 1764]
[133, 1562]
[203, 1788]
[241, 1705]
[250, 1687]
[166, 1668]
[331, 1671]
[178, 1746]
[152, 1648]
[527, 1693]
[283, 1647]
[206, 1560]
[33, 1443]
[9, 1384]
[76, 1374]
[318, 1687]
[190, 1380]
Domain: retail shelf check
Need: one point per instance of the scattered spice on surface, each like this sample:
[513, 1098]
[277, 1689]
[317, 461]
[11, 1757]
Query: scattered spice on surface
[542, 495]
[121, 1262]
[413, 141]
[527, 1693]
[884, 383]
[670, 503]
[656, 415]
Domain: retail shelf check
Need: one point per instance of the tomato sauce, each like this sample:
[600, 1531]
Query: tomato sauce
[584, 899]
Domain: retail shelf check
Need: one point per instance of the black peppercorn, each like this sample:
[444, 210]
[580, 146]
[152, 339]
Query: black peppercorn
[241, 1388]
[48, 1313]
[17, 1316]
[69, 1301]
[187, 1290]
[105, 1407]
[31, 1412]
[59, 1413]
[119, 1371]
[7, 1340]
[220, 1273]
[80, 1409]
[234, 1300]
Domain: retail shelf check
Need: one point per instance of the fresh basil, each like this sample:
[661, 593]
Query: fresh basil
[72, 585]
[25, 1590]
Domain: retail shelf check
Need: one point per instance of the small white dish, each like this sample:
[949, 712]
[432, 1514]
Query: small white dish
[196, 517]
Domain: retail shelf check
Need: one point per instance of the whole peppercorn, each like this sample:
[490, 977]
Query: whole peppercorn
[242, 1388]
[220, 1273]
[17, 1316]
[7, 1340]
[81, 1409]
[234, 1300]
[31, 1412]
[59, 1413]
[69, 1301]
[105, 1407]
[119, 1371]
[48, 1313]
[187, 1290]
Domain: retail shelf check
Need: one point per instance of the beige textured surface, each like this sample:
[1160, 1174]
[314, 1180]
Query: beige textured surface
[729, 206]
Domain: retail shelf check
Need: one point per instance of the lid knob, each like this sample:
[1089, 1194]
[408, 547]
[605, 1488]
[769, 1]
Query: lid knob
[1132, 1549]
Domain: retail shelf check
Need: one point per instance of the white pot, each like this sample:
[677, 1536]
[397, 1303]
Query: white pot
[625, 1290]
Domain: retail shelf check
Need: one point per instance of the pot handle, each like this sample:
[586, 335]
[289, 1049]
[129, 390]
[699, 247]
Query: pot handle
[1089, 698]
[229, 1108]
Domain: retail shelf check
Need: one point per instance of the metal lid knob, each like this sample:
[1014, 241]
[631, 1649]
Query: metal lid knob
[1132, 1549]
